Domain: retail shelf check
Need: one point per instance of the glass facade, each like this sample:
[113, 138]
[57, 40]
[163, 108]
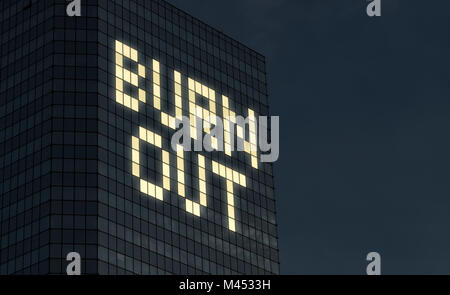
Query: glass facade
[87, 112]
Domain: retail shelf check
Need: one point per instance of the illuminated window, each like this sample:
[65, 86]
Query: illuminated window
[122, 74]
[207, 115]
[191, 206]
[195, 111]
[147, 187]
[250, 146]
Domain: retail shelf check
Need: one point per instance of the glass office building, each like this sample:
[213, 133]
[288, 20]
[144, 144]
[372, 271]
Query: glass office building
[88, 107]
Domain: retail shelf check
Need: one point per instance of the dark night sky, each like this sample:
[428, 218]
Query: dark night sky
[364, 109]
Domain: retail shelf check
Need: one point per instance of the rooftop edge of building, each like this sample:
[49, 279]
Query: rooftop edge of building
[27, 4]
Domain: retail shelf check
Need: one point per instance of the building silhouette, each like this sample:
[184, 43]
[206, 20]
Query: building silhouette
[87, 111]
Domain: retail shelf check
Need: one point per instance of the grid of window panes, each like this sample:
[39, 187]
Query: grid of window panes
[66, 178]
[74, 201]
[141, 234]
[48, 137]
[25, 139]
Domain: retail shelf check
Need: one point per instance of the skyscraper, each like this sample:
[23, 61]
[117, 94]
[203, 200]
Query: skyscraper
[88, 106]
